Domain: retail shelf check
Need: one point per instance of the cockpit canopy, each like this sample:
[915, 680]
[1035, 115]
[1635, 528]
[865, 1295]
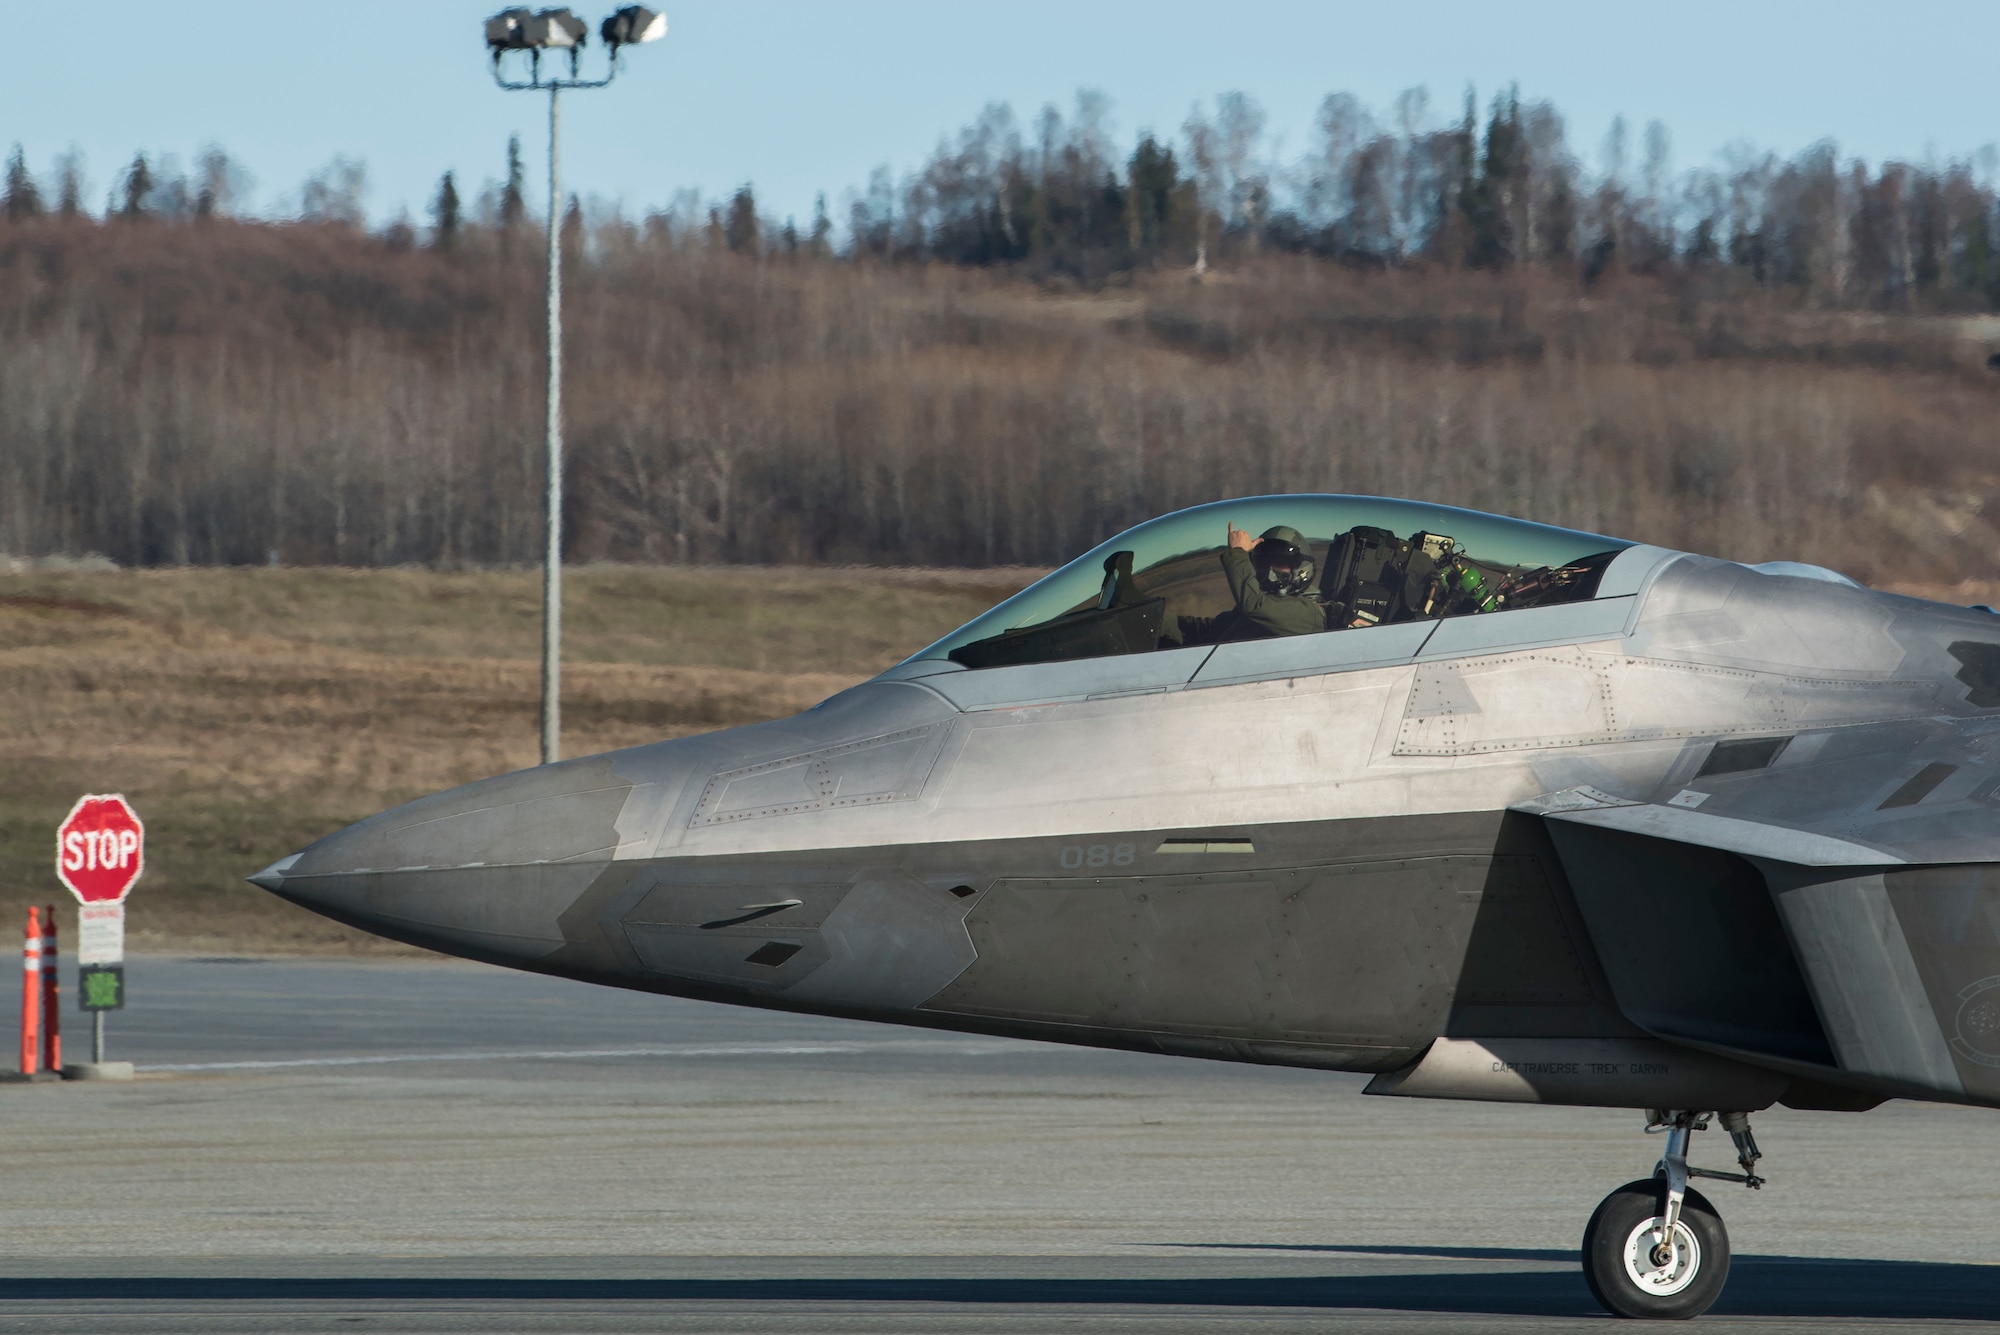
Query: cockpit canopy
[1166, 584]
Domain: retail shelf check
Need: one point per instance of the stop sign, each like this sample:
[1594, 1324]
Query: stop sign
[100, 848]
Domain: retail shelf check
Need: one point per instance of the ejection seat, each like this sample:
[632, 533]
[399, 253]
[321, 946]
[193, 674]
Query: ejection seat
[1374, 578]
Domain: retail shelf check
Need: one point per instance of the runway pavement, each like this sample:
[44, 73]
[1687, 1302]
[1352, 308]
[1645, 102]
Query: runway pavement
[330, 1145]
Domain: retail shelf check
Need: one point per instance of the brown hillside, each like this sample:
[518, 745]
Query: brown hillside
[231, 392]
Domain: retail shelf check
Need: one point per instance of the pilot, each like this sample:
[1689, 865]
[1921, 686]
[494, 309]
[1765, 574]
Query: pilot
[1271, 580]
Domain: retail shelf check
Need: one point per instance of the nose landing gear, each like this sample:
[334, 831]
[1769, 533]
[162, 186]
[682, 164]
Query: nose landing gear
[1656, 1248]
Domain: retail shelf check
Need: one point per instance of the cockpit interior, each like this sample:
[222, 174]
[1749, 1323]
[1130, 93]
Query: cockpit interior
[1363, 562]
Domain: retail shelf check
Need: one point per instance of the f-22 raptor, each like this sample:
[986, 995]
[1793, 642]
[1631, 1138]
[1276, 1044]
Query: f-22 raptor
[1519, 814]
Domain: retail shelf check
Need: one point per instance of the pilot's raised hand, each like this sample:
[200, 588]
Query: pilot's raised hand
[1240, 539]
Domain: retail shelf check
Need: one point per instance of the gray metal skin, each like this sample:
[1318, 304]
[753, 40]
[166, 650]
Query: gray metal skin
[1495, 857]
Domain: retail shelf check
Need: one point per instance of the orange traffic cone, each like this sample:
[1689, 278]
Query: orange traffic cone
[51, 1000]
[31, 995]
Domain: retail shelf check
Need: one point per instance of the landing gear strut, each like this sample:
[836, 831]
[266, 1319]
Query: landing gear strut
[1656, 1248]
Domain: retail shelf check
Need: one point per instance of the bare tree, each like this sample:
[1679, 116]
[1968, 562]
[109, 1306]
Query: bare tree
[223, 183]
[336, 193]
[1235, 190]
[1610, 206]
[1549, 225]
[1656, 208]
[1415, 188]
[1344, 127]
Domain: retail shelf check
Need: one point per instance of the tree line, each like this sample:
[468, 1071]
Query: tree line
[1497, 189]
[1000, 359]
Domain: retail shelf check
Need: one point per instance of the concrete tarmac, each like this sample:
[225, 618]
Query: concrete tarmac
[331, 1145]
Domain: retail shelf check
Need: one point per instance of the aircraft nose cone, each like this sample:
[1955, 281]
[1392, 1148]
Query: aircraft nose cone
[484, 870]
[273, 876]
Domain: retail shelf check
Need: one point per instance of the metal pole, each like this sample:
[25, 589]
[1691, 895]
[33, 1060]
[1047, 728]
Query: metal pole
[552, 552]
[97, 1037]
[552, 556]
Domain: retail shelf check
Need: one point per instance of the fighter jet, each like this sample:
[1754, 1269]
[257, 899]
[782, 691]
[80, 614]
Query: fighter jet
[1516, 814]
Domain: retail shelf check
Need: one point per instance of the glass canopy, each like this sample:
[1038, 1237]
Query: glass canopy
[1364, 561]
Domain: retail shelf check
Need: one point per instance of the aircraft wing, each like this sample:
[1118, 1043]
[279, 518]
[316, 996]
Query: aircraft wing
[1824, 902]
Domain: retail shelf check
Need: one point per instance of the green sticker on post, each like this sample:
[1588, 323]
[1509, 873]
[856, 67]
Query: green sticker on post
[101, 987]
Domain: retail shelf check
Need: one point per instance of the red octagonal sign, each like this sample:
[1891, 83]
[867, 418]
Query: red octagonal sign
[100, 848]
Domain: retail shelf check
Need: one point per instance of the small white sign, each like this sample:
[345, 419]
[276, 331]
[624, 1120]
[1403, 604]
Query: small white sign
[1687, 797]
[100, 933]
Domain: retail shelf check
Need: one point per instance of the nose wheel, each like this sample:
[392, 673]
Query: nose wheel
[1656, 1248]
[1633, 1272]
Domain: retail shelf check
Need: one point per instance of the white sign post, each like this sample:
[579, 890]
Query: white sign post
[100, 852]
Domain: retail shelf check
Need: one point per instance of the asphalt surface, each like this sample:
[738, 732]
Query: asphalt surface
[326, 1145]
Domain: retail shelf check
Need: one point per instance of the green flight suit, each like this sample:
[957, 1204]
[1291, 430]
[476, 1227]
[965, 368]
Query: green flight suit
[1257, 614]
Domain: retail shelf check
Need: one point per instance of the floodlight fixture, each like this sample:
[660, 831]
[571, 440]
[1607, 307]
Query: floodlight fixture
[631, 25]
[507, 30]
[540, 30]
[556, 29]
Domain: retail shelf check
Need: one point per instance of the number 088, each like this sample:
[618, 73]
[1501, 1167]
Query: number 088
[1078, 856]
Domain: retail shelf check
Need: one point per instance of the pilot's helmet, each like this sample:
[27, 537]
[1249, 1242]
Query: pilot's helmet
[1284, 563]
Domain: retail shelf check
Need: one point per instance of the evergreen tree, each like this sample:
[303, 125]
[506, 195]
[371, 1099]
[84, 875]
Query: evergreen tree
[138, 188]
[1498, 188]
[22, 199]
[444, 214]
[822, 228]
[69, 184]
[742, 232]
[1457, 198]
[513, 197]
[1558, 234]
[1982, 265]
[1748, 250]
[1702, 245]
[1154, 178]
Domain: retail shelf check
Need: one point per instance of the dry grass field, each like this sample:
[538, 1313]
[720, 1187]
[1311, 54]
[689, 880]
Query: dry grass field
[246, 712]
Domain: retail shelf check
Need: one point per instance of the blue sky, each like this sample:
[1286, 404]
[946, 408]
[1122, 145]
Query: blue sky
[799, 97]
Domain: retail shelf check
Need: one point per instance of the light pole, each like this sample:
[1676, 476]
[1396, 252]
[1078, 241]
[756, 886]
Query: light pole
[534, 33]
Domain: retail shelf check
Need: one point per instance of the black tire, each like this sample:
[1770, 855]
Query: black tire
[1614, 1255]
